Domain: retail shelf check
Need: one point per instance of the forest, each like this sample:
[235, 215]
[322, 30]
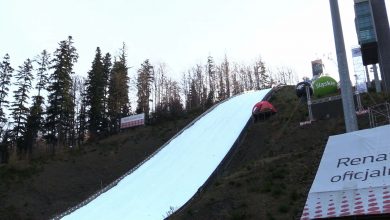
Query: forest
[45, 107]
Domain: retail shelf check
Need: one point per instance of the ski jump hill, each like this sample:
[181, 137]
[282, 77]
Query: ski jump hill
[170, 177]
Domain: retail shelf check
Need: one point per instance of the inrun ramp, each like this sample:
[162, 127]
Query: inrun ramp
[173, 176]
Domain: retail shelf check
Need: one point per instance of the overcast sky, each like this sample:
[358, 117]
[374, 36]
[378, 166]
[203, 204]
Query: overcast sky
[180, 33]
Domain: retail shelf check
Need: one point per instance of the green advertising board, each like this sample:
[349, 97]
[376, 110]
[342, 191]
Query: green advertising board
[324, 85]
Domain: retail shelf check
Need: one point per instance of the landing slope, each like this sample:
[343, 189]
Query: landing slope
[172, 177]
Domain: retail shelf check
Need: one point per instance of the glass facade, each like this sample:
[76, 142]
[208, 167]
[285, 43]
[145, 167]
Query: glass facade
[364, 23]
[360, 72]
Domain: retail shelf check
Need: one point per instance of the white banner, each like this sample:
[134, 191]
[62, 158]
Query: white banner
[133, 120]
[355, 160]
[353, 176]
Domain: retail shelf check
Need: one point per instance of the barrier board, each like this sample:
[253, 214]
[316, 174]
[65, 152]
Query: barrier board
[353, 177]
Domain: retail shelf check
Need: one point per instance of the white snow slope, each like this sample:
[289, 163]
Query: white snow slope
[174, 174]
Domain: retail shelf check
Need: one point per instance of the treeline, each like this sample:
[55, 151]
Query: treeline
[66, 109]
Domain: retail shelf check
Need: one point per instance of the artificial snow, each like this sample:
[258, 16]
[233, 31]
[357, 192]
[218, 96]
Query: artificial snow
[172, 177]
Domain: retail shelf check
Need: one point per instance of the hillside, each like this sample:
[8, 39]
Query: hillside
[47, 187]
[268, 176]
[271, 172]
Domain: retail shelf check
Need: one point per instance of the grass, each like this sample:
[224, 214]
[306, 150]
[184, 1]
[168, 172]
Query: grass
[274, 169]
[239, 215]
[51, 184]
[268, 177]
[17, 173]
[283, 208]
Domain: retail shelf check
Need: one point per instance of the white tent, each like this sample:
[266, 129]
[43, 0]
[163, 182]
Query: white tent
[353, 177]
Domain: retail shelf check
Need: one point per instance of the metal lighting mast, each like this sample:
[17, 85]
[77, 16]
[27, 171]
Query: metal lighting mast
[345, 82]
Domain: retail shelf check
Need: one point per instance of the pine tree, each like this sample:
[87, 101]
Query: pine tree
[44, 62]
[193, 97]
[118, 97]
[123, 70]
[81, 110]
[36, 111]
[5, 80]
[106, 77]
[144, 86]
[82, 118]
[33, 125]
[4, 147]
[19, 109]
[114, 98]
[95, 94]
[60, 112]
[264, 78]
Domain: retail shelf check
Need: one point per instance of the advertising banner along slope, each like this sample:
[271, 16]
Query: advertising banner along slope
[133, 120]
[353, 177]
[172, 176]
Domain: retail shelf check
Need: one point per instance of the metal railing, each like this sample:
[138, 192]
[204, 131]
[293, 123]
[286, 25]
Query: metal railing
[326, 99]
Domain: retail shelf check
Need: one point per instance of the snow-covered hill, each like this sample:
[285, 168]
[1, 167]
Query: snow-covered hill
[172, 176]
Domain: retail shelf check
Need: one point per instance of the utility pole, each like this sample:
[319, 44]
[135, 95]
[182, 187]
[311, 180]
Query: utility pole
[345, 82]
[309, 103]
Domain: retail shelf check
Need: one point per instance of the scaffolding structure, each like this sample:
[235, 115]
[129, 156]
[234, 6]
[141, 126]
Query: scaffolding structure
[379, 114]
